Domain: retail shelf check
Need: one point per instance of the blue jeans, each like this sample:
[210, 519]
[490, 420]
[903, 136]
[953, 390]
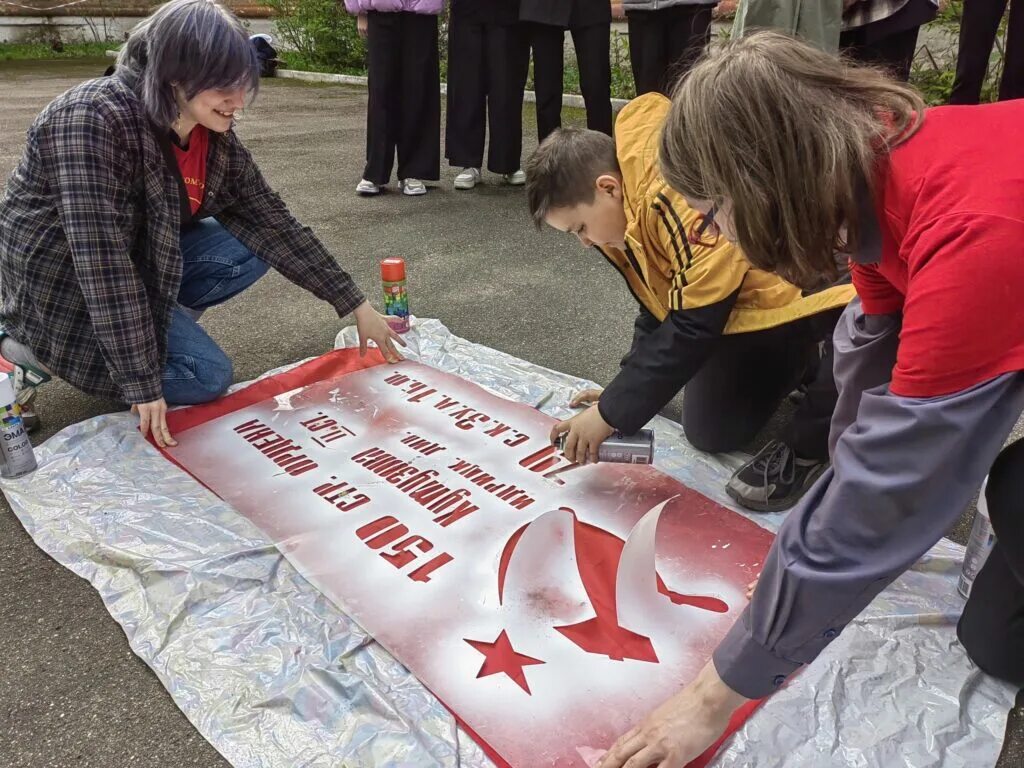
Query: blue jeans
[216, 267]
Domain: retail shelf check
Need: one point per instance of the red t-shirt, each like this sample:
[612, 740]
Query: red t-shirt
[192, 164]
[950, 205]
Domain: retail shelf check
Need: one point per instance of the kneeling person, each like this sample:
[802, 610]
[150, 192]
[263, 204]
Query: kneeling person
[740, 339]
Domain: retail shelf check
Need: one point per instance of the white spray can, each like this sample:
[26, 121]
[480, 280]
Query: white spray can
[16, 455]
[979, 546]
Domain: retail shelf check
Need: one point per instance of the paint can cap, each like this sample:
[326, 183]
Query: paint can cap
[392, 270]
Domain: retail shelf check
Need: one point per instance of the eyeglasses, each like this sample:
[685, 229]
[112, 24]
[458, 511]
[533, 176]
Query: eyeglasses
[704, 231]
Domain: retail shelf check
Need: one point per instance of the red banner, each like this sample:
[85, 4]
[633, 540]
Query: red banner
[549, 605]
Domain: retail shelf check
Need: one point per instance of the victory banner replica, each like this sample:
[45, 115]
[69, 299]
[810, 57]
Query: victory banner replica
[548, 605]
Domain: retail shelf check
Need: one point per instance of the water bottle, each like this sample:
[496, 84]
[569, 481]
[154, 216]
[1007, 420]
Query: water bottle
[979, 546]
[16, 455]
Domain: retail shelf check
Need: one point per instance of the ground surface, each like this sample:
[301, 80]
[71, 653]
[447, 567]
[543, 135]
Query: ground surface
[71, 691]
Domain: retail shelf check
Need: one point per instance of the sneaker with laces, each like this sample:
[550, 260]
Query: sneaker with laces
[774, 480]
[468, 178]
[367, 188]
[516, 179]
[413, 187]
[1012, 754]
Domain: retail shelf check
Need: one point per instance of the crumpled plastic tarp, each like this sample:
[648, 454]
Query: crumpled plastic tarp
[275, 676]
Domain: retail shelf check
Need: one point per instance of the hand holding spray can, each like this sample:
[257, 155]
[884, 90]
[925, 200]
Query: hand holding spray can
[16, 455]
[396, 298]
[623, 449]
[979, 546]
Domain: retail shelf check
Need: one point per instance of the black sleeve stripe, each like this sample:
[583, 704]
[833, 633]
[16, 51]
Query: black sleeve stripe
[679, 224]
[674, 236]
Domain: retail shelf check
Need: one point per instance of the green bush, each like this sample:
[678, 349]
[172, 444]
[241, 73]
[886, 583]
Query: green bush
[321, 34]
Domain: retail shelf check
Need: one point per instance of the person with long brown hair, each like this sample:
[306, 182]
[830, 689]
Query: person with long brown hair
[927, 207]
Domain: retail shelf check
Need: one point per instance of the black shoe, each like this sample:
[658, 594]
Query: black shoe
[774, 479]
[1012, 755]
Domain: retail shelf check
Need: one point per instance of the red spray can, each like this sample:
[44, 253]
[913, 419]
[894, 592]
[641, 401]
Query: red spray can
[396, 298]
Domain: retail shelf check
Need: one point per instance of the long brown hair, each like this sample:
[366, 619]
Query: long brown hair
[792, 136]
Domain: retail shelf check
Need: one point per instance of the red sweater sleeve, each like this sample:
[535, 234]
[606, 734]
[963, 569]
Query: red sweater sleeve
[877, 295]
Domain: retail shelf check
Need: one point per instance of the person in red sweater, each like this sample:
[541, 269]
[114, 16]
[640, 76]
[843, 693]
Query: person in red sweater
[927, 206]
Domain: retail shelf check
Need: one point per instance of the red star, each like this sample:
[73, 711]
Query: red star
[500, 656]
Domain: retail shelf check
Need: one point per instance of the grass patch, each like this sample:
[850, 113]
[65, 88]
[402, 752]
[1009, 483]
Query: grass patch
[36, 51]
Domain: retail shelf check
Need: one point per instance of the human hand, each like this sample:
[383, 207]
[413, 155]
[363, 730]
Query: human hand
[585, 397]
[372, 326]
[681, 729]
[153, 417]
[585, 433]
[362, 25]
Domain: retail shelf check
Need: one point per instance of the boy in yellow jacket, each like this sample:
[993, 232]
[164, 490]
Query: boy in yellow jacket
[740, 339]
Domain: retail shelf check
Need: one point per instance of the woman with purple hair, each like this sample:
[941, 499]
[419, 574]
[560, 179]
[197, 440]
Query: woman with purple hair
[134, 208]
[404, 113]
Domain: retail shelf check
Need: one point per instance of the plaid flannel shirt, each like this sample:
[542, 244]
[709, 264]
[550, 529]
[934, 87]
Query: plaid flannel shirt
[90, 256]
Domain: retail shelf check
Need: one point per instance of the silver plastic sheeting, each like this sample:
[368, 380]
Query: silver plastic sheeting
[273, 675]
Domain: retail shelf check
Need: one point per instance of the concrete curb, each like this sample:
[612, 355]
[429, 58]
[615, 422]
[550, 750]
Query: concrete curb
[568, 99]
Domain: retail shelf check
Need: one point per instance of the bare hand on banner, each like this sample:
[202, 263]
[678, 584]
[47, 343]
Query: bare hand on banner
[362, 25]
[153, 416]
[585, 397]
[373, 326]
[584, 435]
[681, 729]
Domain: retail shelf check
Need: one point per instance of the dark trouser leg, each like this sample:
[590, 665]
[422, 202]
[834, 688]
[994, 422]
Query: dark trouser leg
[894, 53]
[992, 626]
[384, 51]
[977, 36]
[508, 60]
[467, 96]
[808, 432]
[1012, 84]
[419, 136]
[648, 50]
[689, 32]
[548, 44]
[742, 385]
[593, 57]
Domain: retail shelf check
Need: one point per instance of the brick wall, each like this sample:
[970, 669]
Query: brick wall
[114, 8]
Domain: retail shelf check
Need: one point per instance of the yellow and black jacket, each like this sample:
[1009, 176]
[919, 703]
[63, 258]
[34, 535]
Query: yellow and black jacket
[690, 295]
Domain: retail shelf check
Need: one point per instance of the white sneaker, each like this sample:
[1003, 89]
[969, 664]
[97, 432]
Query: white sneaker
[516, 179]
[413, 187]
[367, 188]
[468, 178]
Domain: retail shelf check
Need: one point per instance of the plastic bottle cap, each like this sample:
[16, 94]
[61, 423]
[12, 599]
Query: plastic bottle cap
[392, 270]
[6, 390]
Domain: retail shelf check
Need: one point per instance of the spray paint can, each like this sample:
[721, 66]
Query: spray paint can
[979, 546]
[396, 298]
[16, 455]
[624, 449]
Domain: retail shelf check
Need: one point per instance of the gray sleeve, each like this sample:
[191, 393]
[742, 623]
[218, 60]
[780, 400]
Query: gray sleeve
[865, 353]
[902, 474]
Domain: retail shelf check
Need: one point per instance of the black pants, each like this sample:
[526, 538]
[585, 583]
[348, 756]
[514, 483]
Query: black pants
[593, 58]
[487, 66]
[894, 52]
[405, 109]
[664, 44]
[992, 626]
[977, 36]
[732, 397]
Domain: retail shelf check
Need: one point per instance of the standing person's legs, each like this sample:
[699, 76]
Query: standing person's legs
[508, 60]
[1011, 86]
[548, 44]
[467, 97]
[977, 36]
[419, 132]
[992, 626]
[216, 267]
[689, 32]
[593, 57]
[383, 62]
[648, 49]
[732, 397]
[894, 53]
